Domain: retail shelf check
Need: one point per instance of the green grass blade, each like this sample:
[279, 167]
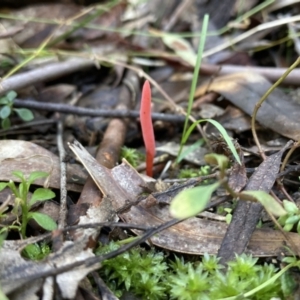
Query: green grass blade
[223, 132]
[195, 77]
[189, 149]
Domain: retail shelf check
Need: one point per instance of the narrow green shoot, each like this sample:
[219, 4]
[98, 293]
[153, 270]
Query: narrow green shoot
[195, 79]
[190, 149]
[223, 132]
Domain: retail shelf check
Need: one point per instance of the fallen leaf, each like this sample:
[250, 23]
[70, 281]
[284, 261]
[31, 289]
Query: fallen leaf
[28, 157]
[245, 89]
[16, 272]
[196, 156]
[192, 236]
[246, 214]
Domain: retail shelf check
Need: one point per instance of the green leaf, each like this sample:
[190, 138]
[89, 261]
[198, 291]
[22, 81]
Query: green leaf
[190, 202]
[298, 228]
[11, 96]
[3, 185]
[32, 251]
[24, 113]
[288, 284]
[228, 218]
[3, 101]
[12, 186]
[195, 77]
[288, 227]
[281, 220]
[19, 174]
[292, 219]
[5, 112]
[189, 149]
[290, 207]
[217, 159]
[290, 259]
[5, 123]
[36, 175]
[2, 238]
[223, 132]
[269, 203]
[43, 220]
[23, 190]
[2, 296]
[36, 251]
[41, 194]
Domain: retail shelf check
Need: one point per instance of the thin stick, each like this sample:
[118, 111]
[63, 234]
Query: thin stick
[44, 73]
[194, 84]
[106, 113]
[63, 177]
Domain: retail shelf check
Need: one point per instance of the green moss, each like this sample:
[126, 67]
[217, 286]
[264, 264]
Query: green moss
[133, 156]
[151, 275]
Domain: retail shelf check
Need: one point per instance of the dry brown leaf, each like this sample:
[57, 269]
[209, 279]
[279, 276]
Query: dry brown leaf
[195, 157]
[234, 119]
[16, 272]
[245, 89]
[34, 33]
[57, 93]
[28, 157]
[194, 236]
[247, 214]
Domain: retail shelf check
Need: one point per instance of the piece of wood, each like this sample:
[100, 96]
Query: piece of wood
[247, 214]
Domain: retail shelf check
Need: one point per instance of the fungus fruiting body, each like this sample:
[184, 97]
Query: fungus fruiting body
[147, 127]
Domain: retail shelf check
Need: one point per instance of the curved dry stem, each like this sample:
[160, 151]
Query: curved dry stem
[288, 155]
[284, 163]
[262, 99]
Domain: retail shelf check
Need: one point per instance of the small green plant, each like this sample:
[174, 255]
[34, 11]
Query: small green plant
[190, 172]
[7, 109]
[190, 202]
[292, 218]
[151, 276]
[228, 216]
[227, 210]
[23, 204]
[138, 270]
[133, 156]
[36, 251]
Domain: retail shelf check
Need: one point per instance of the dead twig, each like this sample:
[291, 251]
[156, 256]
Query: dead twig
[63, 177]
[44, 73]
[118, 113]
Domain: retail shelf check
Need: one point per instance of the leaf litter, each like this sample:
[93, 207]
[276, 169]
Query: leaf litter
[82, 55]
